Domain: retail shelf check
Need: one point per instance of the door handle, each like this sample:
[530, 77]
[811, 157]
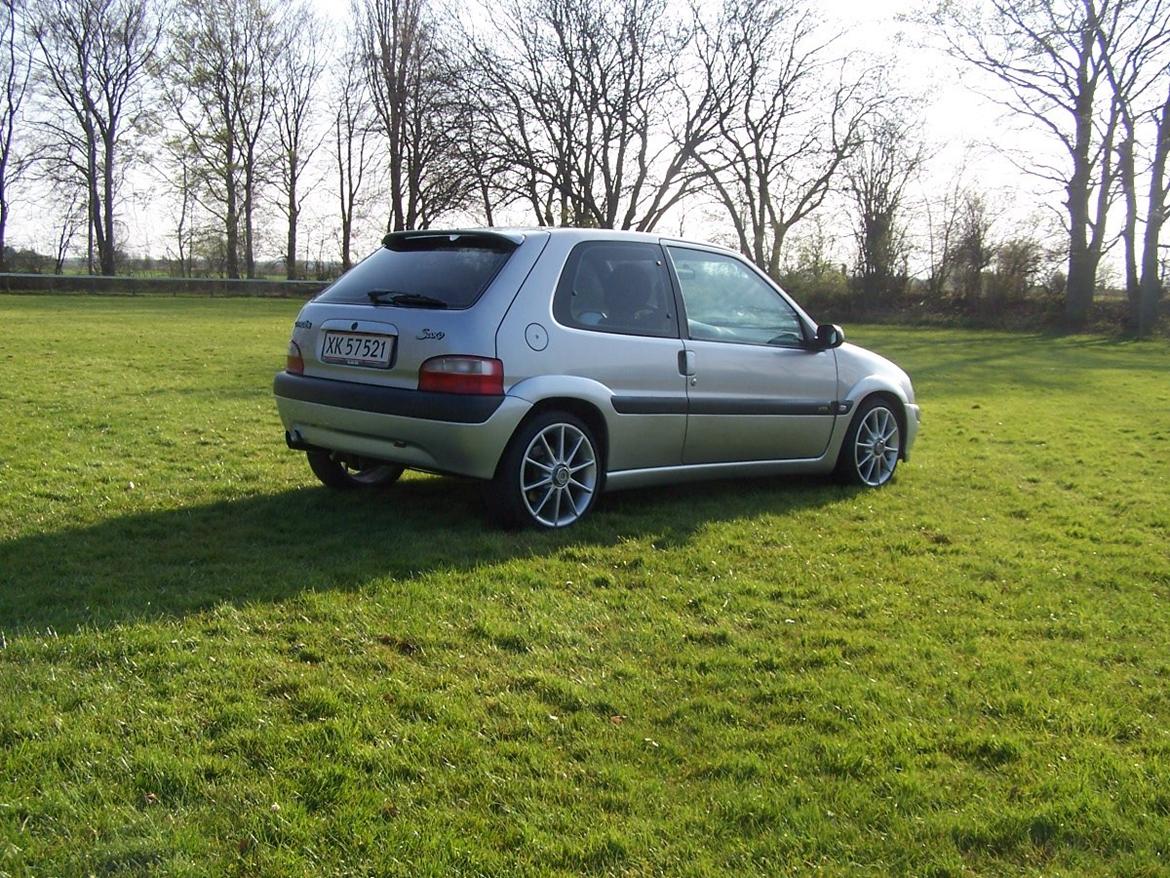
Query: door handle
[686, 363]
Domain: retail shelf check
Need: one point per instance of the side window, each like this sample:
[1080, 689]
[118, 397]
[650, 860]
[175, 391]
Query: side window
[727, 301]
[617, 286]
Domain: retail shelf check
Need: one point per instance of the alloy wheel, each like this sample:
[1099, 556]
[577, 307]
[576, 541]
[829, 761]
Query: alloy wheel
[876, 447]
[558, 475]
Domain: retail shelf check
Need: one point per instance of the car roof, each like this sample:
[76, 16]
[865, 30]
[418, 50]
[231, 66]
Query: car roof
[517, 233]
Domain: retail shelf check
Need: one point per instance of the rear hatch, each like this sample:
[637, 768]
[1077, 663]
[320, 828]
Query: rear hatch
[421, 295]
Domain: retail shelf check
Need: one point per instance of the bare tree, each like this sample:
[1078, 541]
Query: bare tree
[298, 72]
[943, 221]
[221, 84]
[1018, 261]
[973, 250]
[1137, 64]
[94, 58]
[1153, 271]
[182, 175]
[593, 108]
[14, 69]
[813, 253]
[412, 79]
[352, 147]
[812, 268]
[795, 117]
[1051, 57]
[69, 222]
[878, 175]
[490, 167]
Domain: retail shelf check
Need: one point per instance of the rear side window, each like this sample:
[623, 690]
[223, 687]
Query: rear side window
[452, 268]
[622, 287]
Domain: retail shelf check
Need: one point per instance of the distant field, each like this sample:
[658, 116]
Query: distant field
[209, 665]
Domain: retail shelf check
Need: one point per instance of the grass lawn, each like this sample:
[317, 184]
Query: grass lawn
[209, 665]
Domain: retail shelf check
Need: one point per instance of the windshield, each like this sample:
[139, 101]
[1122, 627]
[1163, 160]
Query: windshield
[452, 268]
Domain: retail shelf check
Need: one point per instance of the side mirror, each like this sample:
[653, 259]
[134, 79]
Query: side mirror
[829, 335]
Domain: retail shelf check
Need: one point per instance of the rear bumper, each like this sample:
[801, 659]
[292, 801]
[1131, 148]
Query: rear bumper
[438, 432]
[451, 407]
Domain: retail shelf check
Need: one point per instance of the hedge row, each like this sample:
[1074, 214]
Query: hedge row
[157, 286]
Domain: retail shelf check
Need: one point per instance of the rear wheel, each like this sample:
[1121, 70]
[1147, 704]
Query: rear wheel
[550, 474]
[344, 474]
[872, 446]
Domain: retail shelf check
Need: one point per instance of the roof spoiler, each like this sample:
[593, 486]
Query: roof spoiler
[439, 238]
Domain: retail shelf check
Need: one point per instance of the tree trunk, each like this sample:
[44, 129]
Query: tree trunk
[249, 243]
[1128, 172]
[3, 226]
[1082, 267]
[96, 228]
[486, 196]
[396, 214]
[345, 190]
[774, 256]
[1082, 272]
[97, 223]
[231, 224]
[291, 254]
[1150, 285]
[346, 260]
[1082, 263]
[108, 254]
[89, 235]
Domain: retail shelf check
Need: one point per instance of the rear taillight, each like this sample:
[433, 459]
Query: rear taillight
[480, 375]
[295, 363]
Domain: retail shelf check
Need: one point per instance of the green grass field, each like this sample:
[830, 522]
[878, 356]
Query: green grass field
[209, 665]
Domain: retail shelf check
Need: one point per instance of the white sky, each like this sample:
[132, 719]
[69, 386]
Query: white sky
[959, 128]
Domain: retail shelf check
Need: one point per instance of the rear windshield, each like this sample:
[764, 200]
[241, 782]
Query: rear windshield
[453, 268]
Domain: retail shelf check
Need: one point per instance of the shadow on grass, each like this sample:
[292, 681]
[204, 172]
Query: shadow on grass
[272, 547]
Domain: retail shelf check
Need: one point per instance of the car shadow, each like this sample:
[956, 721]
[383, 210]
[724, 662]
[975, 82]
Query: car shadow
[271, 547]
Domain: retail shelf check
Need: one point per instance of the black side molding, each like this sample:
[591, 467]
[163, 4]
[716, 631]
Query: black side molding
[455, 408]
[761, 407]
[676, 405]
[650, 405]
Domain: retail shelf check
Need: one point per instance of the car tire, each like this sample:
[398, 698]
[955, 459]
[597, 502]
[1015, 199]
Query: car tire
[343, 475]
[550, 475]
[873, 445]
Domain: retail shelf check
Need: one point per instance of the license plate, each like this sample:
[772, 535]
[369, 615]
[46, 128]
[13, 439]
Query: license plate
[358, 349]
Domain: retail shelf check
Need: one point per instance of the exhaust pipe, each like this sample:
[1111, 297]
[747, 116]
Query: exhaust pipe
[294, 440]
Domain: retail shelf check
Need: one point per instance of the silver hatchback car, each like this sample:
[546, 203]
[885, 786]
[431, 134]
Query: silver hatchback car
[556, 364]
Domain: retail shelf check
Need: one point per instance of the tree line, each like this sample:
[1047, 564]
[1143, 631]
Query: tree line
[605, 113]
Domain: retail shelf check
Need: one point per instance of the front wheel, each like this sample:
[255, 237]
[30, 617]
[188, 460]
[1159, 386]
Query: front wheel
[345, 474]
[550, 474]
[872, 446]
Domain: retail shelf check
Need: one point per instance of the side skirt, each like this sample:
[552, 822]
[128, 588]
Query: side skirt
[641, 478]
